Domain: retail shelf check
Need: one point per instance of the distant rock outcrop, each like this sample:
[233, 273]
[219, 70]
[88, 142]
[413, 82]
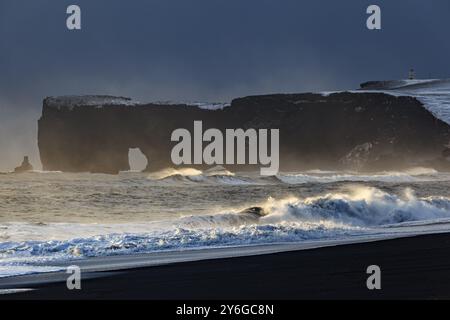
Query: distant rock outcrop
[25, 166]
[361, 131]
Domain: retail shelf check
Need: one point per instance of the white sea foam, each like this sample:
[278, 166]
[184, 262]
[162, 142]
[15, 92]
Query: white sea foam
[411, 175]
[354, 212]
[22, 257]
[360, 206]
[169, 172]
[220, 175]
[215, 175]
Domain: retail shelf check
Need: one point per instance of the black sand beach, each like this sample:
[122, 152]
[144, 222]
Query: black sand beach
[412, 268]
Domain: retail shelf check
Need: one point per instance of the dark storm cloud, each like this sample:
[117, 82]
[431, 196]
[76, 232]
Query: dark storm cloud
[205, 50]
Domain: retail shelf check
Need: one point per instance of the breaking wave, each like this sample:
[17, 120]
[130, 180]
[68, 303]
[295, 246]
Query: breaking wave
[360, 206]
[317, 176]
[358, 211]
[220, 175]
[215, 175]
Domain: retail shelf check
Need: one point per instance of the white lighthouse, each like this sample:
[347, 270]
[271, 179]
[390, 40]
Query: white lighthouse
[412, 74]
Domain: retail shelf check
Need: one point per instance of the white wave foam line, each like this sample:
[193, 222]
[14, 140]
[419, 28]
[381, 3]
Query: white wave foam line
[359, 211]
[411, 175]
[222, 176]
[169, 172]
[230, 180]
[28, 257]
[217, 175]
[361, 206]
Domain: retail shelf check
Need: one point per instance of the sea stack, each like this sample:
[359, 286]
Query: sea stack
[25, 166]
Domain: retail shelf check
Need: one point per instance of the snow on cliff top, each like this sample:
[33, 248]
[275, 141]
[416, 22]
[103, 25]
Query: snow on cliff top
[433, 93]
[433, 85]
[201, 105]
[69, 102]
[89, 101]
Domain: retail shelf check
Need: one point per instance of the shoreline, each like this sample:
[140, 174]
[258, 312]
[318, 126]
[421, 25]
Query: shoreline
[412, 268]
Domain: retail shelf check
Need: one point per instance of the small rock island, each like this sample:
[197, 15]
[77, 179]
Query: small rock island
[25, 166]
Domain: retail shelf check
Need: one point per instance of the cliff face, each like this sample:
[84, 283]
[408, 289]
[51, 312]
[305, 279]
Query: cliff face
[362, 131]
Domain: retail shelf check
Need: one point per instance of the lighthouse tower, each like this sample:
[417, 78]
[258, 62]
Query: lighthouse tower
[412, 74]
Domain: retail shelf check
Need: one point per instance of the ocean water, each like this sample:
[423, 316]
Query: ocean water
[48, 217]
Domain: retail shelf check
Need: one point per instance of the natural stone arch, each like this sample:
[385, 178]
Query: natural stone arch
[137, 160]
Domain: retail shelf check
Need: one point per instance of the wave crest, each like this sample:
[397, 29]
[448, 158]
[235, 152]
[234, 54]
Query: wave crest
[358, 211]
[360, 206]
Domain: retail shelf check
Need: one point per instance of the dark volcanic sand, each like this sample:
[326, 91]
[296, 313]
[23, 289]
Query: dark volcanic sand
[417, 267]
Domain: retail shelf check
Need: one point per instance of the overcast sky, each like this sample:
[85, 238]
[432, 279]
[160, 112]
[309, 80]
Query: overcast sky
[206, 50]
